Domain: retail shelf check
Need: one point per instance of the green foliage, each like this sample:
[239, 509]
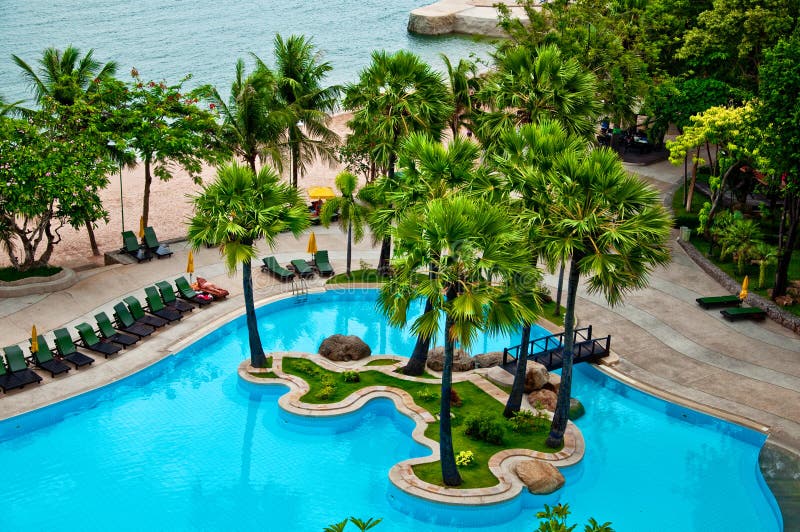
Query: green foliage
[526, 421]
[740, 238]
[369, 275]
[485, 427]
[359, 523]
[465, 459]
[350, 376]
[427, 395]
[554, 519]
[12, 274]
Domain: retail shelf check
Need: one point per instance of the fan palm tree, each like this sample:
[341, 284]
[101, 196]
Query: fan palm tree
[612, 228]
[299, 76]
[463, 82]
[467, 242]
[238, 208]
[352, 213]
[396, 95]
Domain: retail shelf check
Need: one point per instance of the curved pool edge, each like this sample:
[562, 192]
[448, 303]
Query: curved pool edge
[402, 476]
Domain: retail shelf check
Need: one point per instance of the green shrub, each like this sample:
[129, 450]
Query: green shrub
[426, 395]
[523, 421]
[327, 391]
[485, 427]
[351, 376]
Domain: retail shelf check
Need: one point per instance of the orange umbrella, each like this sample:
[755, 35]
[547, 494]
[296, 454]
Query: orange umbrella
[190, 265]
[312, 244]
[141, 227]
[34, 340]
[745, 284]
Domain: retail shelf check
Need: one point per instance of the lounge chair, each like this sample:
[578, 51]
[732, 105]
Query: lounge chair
[127, 323]
[171, 300]
[130, 245]
[43, 358]
[302, 268]
[157, 307]
[743, 313]
[66, 349]
[211, 288]
[8, 381]
[271, 265]
[152, 243]
[719, 301]
[139, 315]
[322, 263]
[108, 332]
[90, 341]
[188, 293]
[19, 368]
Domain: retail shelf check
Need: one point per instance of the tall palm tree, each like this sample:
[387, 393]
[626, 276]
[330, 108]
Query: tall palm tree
[233, 212]
[464, 83]
[299, 76]
[396, 94]
[612, 228]
[468, 242]
[352, 213]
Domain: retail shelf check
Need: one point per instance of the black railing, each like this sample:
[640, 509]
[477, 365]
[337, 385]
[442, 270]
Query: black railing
[548, 350]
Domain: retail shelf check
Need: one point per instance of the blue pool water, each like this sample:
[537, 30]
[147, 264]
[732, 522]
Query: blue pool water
[186, 445]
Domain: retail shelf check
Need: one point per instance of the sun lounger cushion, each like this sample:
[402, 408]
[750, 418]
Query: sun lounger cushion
[108, 332]
[302, 269]
[151, 241]
[138, 313]
[93, 343]
[43, 358]
[719, 301]
[171, 300]
[743, 313]
[322, 263]
[157, 307]
[19, 368]
[66, 349]
[271, 265]
[126, 322]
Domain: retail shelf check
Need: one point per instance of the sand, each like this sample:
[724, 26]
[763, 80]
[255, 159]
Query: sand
[170, 207]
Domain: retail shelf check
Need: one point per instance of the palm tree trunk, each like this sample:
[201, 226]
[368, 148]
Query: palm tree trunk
[349, 245]
[257, 358]
[556, 437]
[792, 206]
[518, 387]
[447, 455]
[148, 179]
[560, 289]
[419, 357]
[92, 239]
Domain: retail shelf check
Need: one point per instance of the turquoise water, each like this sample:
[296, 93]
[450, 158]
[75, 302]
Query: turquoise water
[166, 40]
[185, 445]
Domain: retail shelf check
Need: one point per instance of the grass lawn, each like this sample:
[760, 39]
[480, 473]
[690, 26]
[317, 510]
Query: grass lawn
[549, 313]
[357, 276]
[10, 274]
[382, 362]
[265, 375]
[330, 387]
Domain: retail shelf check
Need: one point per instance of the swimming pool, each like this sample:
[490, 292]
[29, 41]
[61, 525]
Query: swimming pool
[186, 445]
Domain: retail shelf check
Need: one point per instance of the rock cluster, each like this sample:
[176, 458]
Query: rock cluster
[461, 360]
[343, 348]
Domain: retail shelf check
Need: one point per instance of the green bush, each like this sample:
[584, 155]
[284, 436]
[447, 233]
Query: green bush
[427, 395]
[523, 421]
[485, 427]
[351, 376]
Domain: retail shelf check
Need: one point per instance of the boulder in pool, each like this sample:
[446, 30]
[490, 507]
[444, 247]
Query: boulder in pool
[461, 360]
[576, 409]
[540, 477]
[341, 348]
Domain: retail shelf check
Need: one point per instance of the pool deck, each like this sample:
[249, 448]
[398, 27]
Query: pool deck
[665, 341]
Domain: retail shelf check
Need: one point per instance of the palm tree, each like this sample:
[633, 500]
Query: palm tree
[299, 74]
[612, 228]
[238, 208]
[463, 83]
[396, 94]
[467, 242]
[352, 214]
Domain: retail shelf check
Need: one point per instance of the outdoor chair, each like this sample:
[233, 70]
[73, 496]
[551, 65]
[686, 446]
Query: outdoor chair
[743, 313]
[43, 358]
[271, 265]
[137, 311]
[322, 263]
[68, 350]
[8, 381]
[171, 300]
[151, 242]
[157, 307]
[188, 293]
[18, 367]
[127, 323]
[302, 268]
[130, 245]
[90, 341]
[719, 301]
[108, 332]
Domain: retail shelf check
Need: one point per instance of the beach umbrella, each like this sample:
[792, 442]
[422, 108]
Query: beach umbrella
[190, 265]
[322, 193]
[34, 340]
[312, 244]
[745, 284]
[141, 227]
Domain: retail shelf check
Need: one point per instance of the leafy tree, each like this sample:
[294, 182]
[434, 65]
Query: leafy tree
[463, 82]
[467, 242]
[665, 23]
[299, 75]
[352, 214]
[235, 211]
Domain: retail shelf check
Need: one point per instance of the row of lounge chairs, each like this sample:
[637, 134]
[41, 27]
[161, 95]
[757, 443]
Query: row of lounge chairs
[150, 245]
[132, 322]
[733, 311]
[299, 267]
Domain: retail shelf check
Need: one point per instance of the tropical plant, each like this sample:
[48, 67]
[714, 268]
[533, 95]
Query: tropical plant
[359, 523]
[352, 213]
[463, 82]
[554, 519]
[474, 248]
[765, 256]
[740, 239]
[299, 75]
[236, 210]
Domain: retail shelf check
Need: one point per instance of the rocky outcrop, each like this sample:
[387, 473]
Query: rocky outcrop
[500, 376]
[546, 398]
[536, 377]
[461, 360]
[342, 348]
[540, 477]
[488, 360]
[470, 17]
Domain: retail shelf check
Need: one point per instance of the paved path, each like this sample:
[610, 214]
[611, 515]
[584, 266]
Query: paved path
[663, 337]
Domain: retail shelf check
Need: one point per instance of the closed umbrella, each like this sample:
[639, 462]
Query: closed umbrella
[312, 244]
[190, 265]
[141, 227]
[745, 284]
[34, 340]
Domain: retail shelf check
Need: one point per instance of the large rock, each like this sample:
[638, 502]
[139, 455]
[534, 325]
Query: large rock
[461, 360]
[488, 360]
[576, 409]
[342, 348]
[500, 376]
[540, 477]
[547, 398]
[536, 377]
[554, 382]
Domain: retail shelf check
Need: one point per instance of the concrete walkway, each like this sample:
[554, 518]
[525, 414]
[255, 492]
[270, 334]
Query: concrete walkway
[664, 339]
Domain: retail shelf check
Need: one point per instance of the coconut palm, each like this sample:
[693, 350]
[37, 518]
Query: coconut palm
[299, 76]
[463, 82]
[765, 255]
[467, 242]
[396, 94]
[612, 228]
[352, 213]
[233, 212]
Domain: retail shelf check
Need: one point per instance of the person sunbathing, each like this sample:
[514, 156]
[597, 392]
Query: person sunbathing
[211, 288]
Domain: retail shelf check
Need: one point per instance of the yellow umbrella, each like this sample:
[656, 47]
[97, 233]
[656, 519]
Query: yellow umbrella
[190, 265]
[141, 227]
[34, 340]
[745, 284]
[312, 244]
[321, 193]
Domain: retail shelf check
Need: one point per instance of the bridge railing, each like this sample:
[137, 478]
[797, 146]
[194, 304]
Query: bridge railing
[546, 344]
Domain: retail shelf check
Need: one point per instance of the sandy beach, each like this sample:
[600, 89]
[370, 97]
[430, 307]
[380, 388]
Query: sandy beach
[170, 207]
